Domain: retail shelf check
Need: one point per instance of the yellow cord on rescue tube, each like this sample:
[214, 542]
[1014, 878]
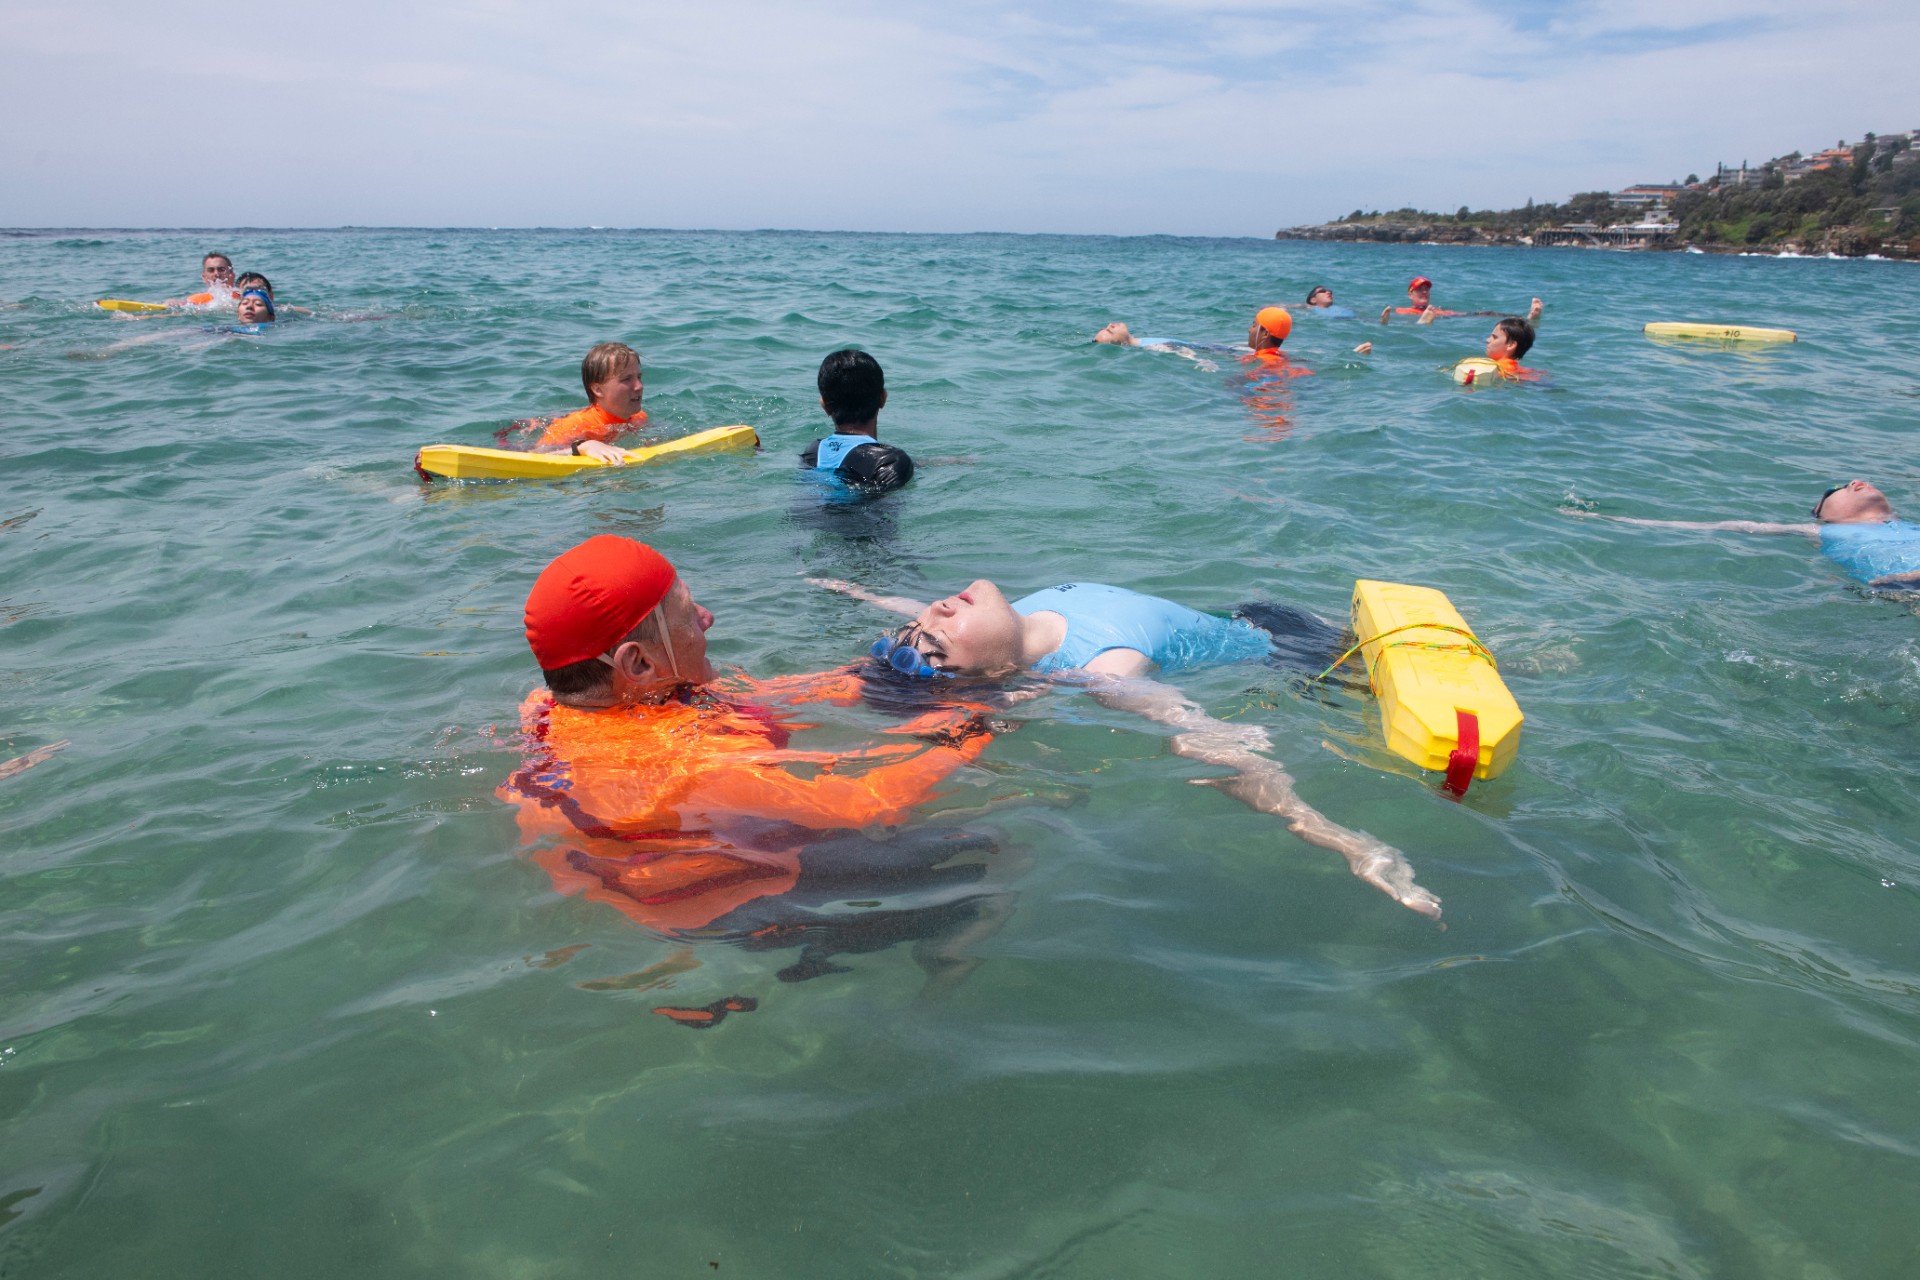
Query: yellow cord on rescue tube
[1472, 646]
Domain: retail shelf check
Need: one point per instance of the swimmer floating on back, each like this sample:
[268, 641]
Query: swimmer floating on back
[1855, 525]
[1320, 302]
[1115, 638]
[611, 375]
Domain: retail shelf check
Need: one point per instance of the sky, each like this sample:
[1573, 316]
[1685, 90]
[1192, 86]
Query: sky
[1184, 117]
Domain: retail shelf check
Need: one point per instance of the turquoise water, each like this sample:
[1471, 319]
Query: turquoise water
[282, 996]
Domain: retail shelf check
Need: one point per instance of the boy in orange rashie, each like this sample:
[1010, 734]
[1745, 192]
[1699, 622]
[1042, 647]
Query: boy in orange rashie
[676, 799]
[611, 376]
[1511, 338]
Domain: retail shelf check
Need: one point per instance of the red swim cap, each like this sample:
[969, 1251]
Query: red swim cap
[588, 599]
[1419, 282]
[1277, 321]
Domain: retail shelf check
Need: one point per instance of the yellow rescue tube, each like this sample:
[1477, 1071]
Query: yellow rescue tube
[1719, 332]
[1432, 675]
[1475, 370]
[122, 304]
[470, 462]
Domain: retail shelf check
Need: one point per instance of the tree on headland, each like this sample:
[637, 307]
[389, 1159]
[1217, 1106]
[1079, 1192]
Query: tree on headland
[1860, 204]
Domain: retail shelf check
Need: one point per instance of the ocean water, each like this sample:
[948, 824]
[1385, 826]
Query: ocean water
[280, 993]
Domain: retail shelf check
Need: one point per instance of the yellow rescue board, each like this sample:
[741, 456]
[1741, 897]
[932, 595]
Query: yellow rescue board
[469, 462]
[1427, 667]
[1475, 370]
[1719, 332]
[138, 308]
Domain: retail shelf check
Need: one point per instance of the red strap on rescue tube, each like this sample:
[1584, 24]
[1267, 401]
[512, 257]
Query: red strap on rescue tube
[1466, 755]
[421, 471]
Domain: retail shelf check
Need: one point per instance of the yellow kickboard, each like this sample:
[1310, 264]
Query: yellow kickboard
[1421, 689]
[470, 462]
[138, 308]
[1719, 332]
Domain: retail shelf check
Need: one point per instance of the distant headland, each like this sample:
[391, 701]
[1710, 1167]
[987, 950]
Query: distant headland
[1859, 200]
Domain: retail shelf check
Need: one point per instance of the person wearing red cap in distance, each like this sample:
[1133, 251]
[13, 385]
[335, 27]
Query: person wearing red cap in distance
[1420, 303]
[672, 797]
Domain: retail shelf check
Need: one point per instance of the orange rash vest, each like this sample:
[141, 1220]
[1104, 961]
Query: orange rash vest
[676, 814]
[590, 423]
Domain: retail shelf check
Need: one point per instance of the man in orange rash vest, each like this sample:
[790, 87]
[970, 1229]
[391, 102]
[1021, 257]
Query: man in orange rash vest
[611, 376]
[216, 272]
[671, 797]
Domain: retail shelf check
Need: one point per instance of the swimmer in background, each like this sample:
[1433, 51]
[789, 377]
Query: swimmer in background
[216, 273]
[656, 789]
[1320, 300]
[1116, 334]
[853, 390]
[1114, 639]
[1420, 303]
[611, 375]
[1856, 528]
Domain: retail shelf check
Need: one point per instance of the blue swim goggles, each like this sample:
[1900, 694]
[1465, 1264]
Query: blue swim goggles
[903, 657]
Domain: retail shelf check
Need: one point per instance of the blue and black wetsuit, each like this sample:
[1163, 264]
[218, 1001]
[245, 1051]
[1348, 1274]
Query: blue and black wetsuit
[860, 461]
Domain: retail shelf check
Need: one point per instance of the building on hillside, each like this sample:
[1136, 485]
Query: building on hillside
[1647, 193]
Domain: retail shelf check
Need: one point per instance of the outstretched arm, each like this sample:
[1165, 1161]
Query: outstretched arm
[898, 604]
[1711, 526]
[1261, 784]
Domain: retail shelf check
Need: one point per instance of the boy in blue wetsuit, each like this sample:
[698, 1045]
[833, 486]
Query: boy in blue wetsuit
[853, 391]
[1856, 528]
[1118, 637]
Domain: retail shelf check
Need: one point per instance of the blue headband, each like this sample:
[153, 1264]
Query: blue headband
[261, 294]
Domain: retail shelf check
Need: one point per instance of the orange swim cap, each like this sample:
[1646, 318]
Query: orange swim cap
[1277, 321]
[588, 599]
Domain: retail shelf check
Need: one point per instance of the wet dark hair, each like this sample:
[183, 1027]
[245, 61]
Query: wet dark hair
[1319, 288]
[253, 277]
[852, 387]
[579, 677]
[877, 468]
[205, 258]
[1519, 332]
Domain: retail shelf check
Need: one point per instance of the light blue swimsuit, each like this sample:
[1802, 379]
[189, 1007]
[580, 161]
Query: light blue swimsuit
[1869, 551]
[835, 448]
[1175, 637]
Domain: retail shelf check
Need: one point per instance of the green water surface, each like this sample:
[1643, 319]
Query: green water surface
[280, 995]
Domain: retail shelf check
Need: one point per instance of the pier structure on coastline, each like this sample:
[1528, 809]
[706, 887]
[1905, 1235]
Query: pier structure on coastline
[1641, 235]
